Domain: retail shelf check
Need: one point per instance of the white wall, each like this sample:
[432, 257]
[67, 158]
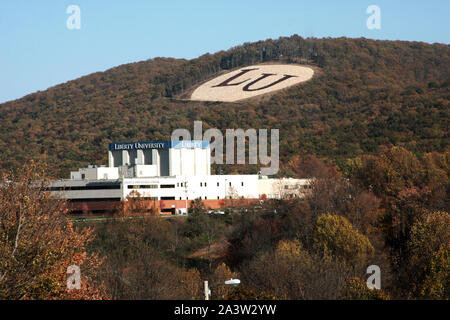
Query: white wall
[209, 187]
[148, 170]
[280, 188]
[170, 162]
[102, 173]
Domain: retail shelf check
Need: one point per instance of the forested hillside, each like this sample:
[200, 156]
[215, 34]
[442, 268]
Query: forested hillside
[367, 94]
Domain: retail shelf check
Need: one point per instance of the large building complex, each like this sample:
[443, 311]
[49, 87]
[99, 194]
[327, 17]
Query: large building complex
[169, 174]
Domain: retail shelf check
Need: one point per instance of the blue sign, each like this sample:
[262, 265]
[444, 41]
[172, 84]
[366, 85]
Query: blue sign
[190, 144]
[182, 144]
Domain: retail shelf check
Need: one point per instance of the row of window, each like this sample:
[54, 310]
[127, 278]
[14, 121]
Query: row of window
[142, 186]
[297, 186]
[172, 198]
[87, 187]
[165, 186]
[151, 186]
[203, 184]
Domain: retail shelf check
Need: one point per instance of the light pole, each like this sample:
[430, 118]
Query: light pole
[233, 282]
[207, 291]
[186, 191]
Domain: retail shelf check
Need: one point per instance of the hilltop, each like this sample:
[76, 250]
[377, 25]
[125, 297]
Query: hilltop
[367, 94]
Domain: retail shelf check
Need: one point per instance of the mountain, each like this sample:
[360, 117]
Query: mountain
[366, 94]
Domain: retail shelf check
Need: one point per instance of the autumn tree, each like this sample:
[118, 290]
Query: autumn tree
[243, 292]
[409, 188]
[136, 205]
[38, 242]
[334, 236]
[331, 191]
[429, 260]
[139, 260]
[203, 229]
[291, 272]
[356, 289]
[222, 273]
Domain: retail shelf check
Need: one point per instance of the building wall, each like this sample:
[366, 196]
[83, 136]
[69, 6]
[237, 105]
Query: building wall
[168, 177]
[99, 173]
[170, 162]
[282, 188]
[204, 187]
[145, 170]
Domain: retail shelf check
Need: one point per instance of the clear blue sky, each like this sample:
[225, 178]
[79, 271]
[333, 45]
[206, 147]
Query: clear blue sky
[38, 51]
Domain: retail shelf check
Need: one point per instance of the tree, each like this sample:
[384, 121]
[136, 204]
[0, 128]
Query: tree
[334, 236]
[291, 272]
[436, 284]
[429, 259]
[356, 289]
[38, 242]
[245, 293]
[139, 261]
[219, 290]
[409, 187]
[136, 205]
[203, 228]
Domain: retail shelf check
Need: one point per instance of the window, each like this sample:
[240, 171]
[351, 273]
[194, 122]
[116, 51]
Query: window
[242, 184]
[83, 176]
[230, 184]
[143, 186]
[217, 197]
[86, 187]
[205, 184]
[206, 197]
[201, 184]
[167, 186]
[217, 184]
[178, 184]
[167, 198]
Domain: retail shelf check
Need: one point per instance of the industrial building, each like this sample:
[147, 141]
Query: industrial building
[167, 174]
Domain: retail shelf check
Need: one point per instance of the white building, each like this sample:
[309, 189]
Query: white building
[169, 173]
